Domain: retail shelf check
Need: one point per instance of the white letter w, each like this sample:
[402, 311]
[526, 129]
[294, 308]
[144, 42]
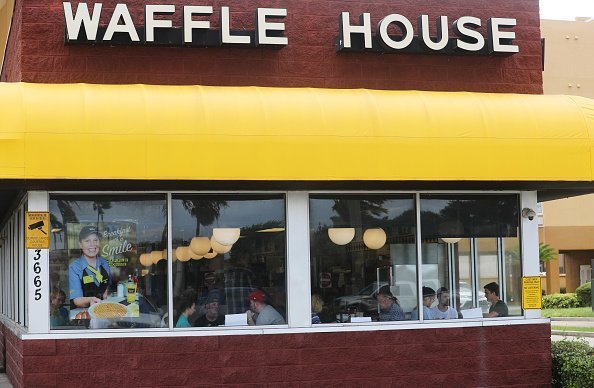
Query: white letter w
[73, 23]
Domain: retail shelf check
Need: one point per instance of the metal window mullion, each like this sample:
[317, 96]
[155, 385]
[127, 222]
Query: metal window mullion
[502, 272]
[474, 272]
[451, 250]
[298, 265]
[19, 266]
[419, 258]
[23, 258]
[11, 271]
[169, 263]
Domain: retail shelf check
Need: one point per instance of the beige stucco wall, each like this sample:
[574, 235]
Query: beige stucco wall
[6, 8]
[569, 62]
[568, 223]
[575, 211]
[569, 57]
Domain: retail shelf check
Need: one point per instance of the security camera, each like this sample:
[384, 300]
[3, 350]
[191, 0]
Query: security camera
[528, 213]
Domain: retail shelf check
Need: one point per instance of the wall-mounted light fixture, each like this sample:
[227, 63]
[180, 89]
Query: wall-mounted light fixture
[528, 213]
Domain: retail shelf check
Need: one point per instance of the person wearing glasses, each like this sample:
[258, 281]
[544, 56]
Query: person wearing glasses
[390, 309]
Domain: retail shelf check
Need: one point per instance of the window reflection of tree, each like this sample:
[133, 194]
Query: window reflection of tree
[478, 217]
[357, 212]
[206, 212]
[100, 207]
[59, 257]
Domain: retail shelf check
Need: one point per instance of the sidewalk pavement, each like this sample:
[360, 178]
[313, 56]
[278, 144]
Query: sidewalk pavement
[4, 383]
[568, 323]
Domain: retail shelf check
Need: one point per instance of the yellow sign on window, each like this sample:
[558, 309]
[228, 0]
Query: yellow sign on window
[531, 293]
[37, 230]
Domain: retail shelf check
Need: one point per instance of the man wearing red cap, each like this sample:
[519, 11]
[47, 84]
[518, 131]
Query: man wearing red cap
[261, 313]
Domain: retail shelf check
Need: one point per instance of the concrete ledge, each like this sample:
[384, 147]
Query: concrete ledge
[571, 319]
[568, 333]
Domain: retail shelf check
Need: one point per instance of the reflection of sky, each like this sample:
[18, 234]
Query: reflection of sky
[240, 214]
[321, 210]
[147, 215]
[433, 205]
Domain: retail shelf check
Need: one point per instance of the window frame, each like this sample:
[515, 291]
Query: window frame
[298, 262]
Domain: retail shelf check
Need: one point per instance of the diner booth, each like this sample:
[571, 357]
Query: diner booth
[153, 198]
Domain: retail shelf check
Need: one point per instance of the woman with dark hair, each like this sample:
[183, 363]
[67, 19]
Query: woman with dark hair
[390, 309]
[186, 307]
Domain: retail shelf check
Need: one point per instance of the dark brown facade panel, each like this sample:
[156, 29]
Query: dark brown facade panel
[37, 52]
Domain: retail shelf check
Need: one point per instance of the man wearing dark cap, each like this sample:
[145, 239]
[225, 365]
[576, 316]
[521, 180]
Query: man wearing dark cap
[89, 275]
[262, 313]
[428, 299]
[211, 317]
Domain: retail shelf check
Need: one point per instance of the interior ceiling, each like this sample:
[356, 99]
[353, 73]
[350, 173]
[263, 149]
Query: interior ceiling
[10, 189]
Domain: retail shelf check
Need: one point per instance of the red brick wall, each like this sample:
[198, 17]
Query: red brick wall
[308, 60]
[13, 348]
[2, 365]
[482, 356]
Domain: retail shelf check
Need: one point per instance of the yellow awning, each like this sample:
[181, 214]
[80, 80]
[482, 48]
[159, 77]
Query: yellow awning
[141, 132]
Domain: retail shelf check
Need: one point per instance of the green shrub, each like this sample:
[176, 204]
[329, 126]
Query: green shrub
[563, 290]
[560, 301]
[584, 294]
[573, 364]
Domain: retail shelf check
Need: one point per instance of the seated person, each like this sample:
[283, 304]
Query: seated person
[390, 309]
[316, 307]
[261, 312]
[58, 313]
[428, 299]
[443, 310]
[211, 317]
[186, 307]
[498, 307]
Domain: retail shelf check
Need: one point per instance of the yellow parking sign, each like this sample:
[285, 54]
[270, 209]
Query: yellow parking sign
[531, 293]
[37, 230]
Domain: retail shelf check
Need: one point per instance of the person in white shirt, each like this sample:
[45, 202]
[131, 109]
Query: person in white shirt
[428, 299]
[443, 310]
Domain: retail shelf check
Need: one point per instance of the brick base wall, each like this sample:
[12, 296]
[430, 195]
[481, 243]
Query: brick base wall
[2, 361]
[13, 356]
[481, 356]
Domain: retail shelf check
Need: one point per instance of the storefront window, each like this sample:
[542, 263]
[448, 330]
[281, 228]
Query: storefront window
[229, 260]
[470, 241]
[108, 261]
[363, 258]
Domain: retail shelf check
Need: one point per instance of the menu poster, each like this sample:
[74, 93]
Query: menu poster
[118, 240]
[118, 246]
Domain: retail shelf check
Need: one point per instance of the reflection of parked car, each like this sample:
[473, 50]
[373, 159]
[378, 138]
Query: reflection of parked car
[363, 301]
[405, 293]
[466, 298]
